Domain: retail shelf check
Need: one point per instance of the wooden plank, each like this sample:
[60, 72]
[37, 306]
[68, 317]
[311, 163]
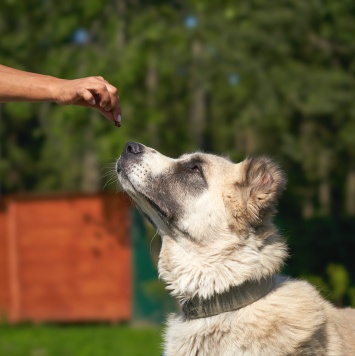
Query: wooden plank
[4, 278]
[14, 277]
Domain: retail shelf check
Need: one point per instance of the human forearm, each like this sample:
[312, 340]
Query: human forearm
[16, 85]
[5, 69]
[96, 92]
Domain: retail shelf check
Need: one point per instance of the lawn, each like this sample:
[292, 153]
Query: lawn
[82, 340]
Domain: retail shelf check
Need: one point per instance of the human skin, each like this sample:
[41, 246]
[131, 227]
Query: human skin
[95, 92]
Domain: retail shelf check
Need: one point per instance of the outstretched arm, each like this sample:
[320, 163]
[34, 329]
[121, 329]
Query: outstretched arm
[95, 92]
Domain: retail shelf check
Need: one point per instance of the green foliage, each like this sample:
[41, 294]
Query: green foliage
[321, 252]
[247, 77]
[335, 286]
[338, 279]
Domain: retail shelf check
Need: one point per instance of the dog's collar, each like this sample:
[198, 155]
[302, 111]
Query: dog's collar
[235, 298]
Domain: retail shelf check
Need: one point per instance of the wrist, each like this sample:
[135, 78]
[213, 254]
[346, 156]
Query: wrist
[52, 88]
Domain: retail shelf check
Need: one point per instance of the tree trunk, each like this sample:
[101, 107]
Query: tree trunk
[324, 186]
[307, 206]
[350, 193]
[151, 85]
[198, 105]
[121, 33]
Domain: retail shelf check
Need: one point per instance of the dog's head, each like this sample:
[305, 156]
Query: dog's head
[199, 195]
[214, 215]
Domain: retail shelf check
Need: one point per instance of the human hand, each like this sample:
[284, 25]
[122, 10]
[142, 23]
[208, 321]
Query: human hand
[93, 92]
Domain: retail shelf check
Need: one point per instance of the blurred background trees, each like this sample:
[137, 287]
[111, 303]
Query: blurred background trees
[233, 77]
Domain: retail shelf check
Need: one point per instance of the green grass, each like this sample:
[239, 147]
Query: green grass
[85, 340]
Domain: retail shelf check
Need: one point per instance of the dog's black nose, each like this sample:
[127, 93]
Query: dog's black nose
[133, 148]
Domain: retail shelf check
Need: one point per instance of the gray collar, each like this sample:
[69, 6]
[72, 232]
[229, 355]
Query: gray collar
[235, 298]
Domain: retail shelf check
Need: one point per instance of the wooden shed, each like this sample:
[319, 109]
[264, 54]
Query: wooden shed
[65, 258]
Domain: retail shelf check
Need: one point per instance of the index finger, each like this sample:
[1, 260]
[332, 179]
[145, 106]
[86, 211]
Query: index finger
[114, 102]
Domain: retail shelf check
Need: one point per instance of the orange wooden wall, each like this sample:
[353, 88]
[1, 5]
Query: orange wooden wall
[4, 295]
[66, 258]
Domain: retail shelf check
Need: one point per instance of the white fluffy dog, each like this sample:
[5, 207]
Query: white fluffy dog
[220, 257]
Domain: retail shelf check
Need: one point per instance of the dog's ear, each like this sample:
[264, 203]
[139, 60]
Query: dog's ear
[262, 183]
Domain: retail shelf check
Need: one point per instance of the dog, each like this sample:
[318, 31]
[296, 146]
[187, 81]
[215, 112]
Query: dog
[220, 257]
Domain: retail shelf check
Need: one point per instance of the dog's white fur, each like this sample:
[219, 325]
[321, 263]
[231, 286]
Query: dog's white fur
[221, 235]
